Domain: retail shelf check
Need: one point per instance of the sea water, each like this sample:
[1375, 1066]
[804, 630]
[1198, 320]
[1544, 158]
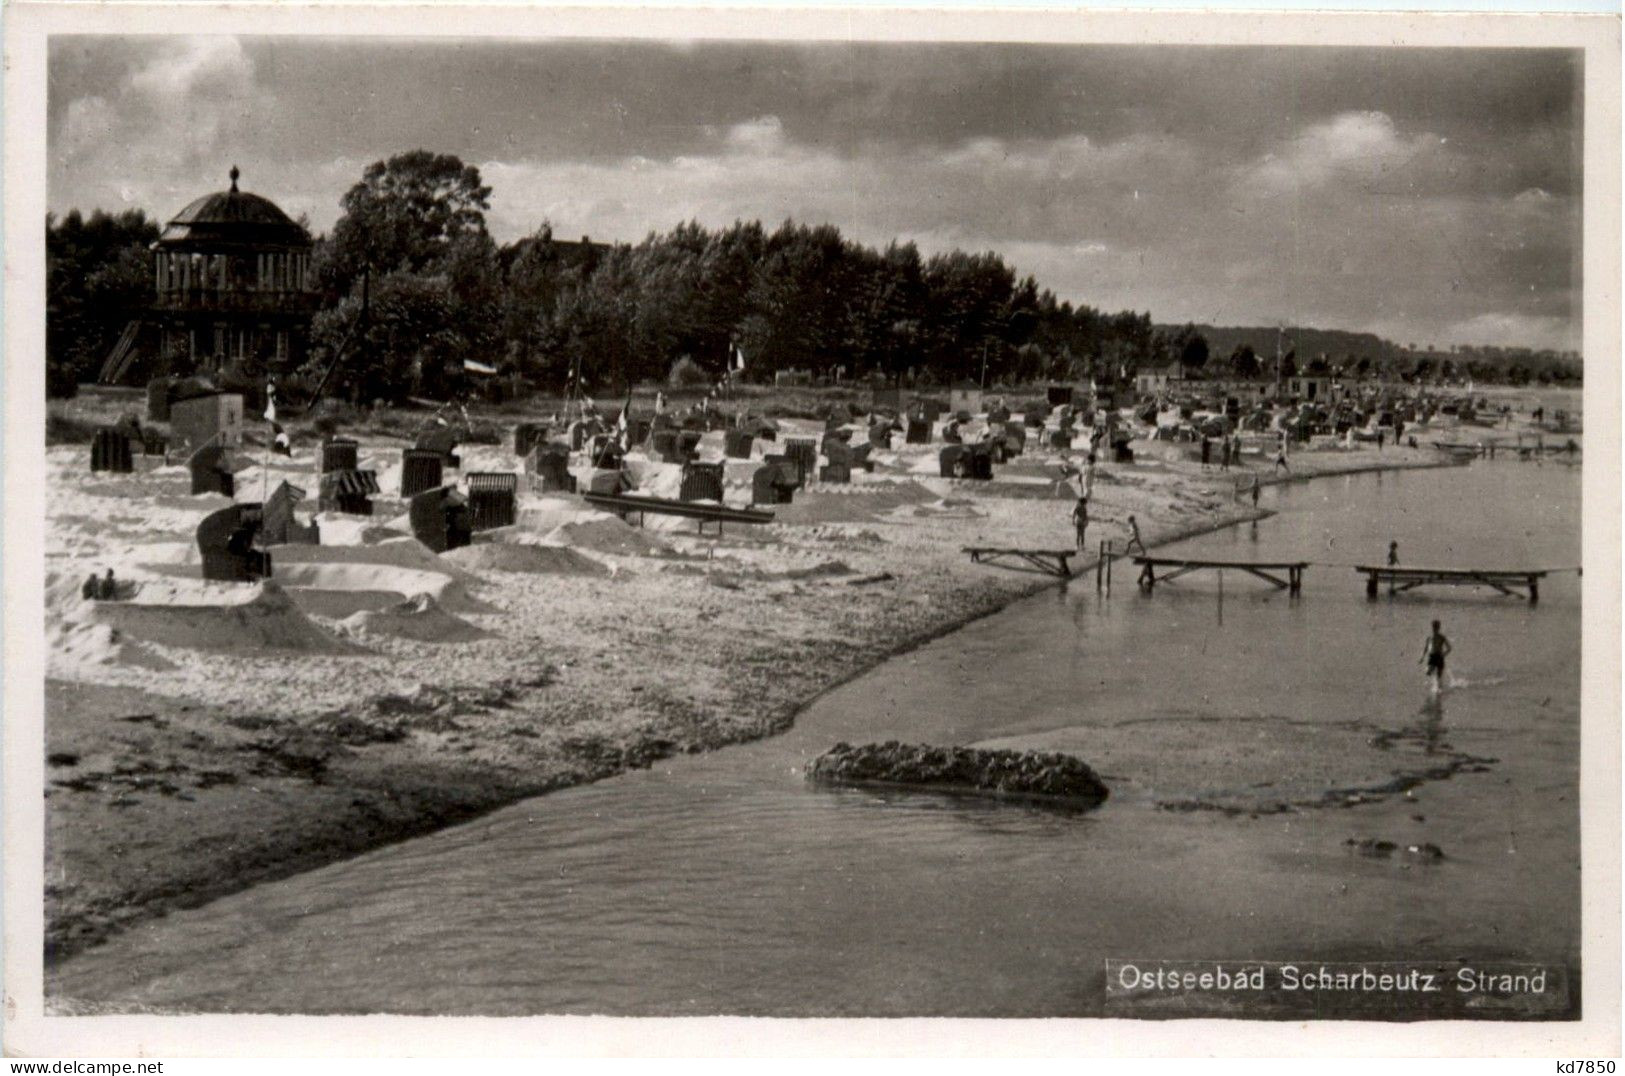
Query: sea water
[726, 883]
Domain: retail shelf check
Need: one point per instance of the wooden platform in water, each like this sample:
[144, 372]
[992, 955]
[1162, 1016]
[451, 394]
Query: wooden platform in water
[1285, 575]
[1048, 561]
[1506, 580]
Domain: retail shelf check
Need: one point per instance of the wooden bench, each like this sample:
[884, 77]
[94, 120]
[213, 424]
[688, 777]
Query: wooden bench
[625, 504]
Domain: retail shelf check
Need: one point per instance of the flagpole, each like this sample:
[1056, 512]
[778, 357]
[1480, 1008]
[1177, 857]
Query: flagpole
[270, 420]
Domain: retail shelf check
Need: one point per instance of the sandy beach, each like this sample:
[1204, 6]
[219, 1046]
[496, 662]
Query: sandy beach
[375, 691]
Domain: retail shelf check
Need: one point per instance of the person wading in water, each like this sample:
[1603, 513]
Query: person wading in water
[1080, 519]
[1434, 651]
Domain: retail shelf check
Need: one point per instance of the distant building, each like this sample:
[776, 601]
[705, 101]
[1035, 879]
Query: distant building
[232, 286]
[1310, 388]
[965, 396]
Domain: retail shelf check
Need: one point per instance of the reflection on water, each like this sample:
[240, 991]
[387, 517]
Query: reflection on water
[727, 883]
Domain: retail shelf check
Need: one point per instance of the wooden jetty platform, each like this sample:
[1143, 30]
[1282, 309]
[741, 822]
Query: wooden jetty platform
[1285, 575]
[1507, 581]
[1048, 561]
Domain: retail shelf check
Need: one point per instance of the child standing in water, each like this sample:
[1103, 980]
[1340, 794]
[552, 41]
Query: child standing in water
[1434, 652]
[1080, 519]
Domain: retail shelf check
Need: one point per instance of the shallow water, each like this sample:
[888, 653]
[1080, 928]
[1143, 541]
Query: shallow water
[726, 883]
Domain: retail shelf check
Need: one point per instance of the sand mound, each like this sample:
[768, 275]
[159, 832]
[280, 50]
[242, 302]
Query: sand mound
[858, 503]
[62, 594]
[101, 644]
[525, 557]
[657, 479]
[238, 619]
[822, 507]
[339, 529]
[419, 617]
[608, 534]
[909, 492]
[337, 590]
[542, 514]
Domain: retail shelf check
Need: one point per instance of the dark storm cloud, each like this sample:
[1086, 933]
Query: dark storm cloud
[1416, 192]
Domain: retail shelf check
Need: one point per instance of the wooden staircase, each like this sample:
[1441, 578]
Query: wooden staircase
[123, 354]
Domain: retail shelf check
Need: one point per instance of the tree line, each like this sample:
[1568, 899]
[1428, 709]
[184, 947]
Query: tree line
[412, 249]
[413, 286]
[1251, 352]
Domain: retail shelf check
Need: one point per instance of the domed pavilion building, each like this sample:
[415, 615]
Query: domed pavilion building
[233, 290]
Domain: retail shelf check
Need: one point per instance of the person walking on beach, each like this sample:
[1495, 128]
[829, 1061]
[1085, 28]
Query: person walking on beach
[1080, 519]
[1280, 456]
[1255, 490]
[1224, 453]
[1089, 476]
[1434, 651]
[108, 590]
[1393, 554]
[1207, 450]
[1134, 538]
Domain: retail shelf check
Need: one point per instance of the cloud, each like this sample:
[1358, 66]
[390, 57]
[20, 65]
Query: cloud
[90, 124]
[213, 67]
[1514, 330]
[183, 111]
[765, 133]
[1390, 190]
[1354, 148]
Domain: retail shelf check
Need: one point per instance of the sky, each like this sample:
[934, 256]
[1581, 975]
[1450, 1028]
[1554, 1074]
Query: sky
[1429, 195]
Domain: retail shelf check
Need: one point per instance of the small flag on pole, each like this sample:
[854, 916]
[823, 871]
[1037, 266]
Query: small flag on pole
[623, 425]
[739, 358]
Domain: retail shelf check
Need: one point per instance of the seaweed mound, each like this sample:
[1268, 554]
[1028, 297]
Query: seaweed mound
[1046, 774]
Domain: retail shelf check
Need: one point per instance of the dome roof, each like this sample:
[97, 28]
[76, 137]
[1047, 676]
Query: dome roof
[233, 218]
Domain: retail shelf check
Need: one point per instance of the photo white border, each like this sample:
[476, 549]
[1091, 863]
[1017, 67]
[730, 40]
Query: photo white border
[27, 1031]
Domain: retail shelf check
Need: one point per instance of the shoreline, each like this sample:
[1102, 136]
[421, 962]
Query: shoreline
[297, 794]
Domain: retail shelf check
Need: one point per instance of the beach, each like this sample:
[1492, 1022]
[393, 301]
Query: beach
[438, 687]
